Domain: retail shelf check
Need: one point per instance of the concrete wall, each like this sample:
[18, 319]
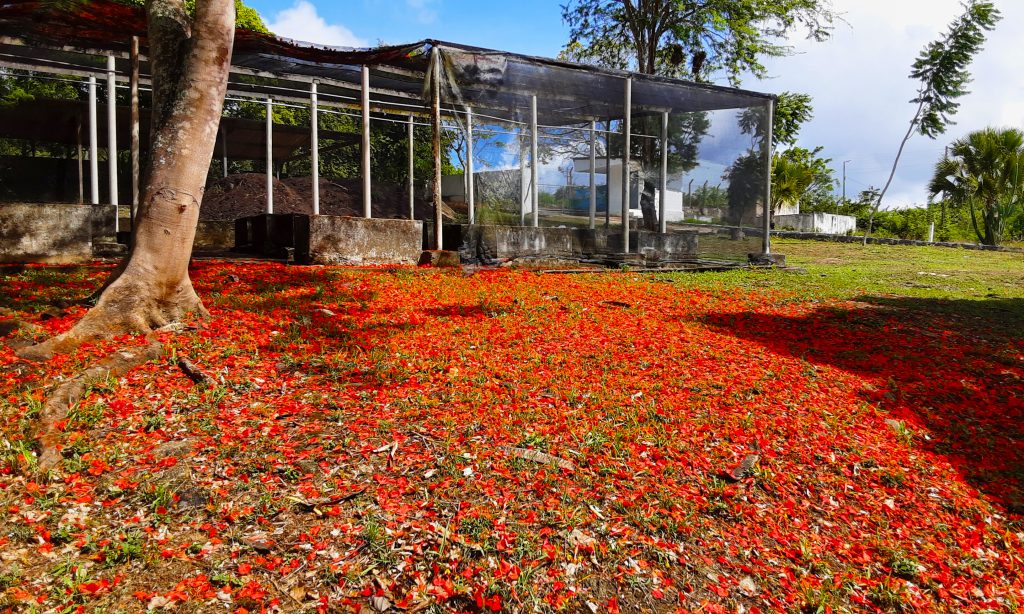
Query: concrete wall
[826, 223]
[353, 240]
[486, 243]
[52, 233]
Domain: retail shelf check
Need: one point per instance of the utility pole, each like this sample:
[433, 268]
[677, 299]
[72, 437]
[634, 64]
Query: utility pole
[845, 162]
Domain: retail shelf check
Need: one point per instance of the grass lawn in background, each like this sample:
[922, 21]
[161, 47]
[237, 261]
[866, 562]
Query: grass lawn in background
[843, 438]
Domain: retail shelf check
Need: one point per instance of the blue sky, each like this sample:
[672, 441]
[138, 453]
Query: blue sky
[858, 79]
[526, 26]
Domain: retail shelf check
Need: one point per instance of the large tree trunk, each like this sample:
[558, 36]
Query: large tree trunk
[189, 58]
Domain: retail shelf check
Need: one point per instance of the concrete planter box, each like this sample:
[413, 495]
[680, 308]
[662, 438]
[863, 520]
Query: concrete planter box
[49, 233]
[214, 234]
[328, 239]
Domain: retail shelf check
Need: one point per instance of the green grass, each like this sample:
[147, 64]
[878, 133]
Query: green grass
[984, 285]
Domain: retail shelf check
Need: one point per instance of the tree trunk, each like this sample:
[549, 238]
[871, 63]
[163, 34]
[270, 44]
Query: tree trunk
[190, 58]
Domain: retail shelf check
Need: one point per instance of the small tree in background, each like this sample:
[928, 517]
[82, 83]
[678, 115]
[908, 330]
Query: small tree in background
[984, 174]
[941, 69]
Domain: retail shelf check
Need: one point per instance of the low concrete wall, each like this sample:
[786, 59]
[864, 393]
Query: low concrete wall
[329, 239]
[826, 223]
[486, 243]
[353, 240]
[51, 233]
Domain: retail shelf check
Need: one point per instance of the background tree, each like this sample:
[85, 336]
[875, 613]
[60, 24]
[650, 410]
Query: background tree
[984, 174]
[689, 38]
[686, 38]
[941, 69]
[189, 58]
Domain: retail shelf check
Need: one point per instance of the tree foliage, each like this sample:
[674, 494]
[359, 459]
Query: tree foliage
[941, 69]
[984, 175]
[689, 38]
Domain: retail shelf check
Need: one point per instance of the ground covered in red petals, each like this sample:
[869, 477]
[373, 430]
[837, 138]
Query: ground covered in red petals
[438, 440]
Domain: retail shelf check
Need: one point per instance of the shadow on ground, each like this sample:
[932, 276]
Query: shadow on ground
[954, 368]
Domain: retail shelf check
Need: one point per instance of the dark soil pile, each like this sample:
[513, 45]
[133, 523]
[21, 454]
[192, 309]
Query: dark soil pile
[245, 194]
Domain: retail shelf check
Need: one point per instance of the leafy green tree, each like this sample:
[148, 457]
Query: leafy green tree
[941, 69]
[984, 174]
[689, 38]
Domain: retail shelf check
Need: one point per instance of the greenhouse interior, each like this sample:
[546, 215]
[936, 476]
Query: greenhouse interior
[522, 142]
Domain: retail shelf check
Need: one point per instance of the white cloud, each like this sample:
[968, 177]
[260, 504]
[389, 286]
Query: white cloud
[302, 22]
[859, 81]
[422, 10]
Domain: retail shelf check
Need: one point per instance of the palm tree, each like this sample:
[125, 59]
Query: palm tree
[984, 173]
[790, 181]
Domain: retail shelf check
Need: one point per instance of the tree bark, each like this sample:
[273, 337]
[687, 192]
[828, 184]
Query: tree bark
[190, 58]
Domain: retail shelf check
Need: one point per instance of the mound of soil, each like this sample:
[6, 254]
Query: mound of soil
[245, 194]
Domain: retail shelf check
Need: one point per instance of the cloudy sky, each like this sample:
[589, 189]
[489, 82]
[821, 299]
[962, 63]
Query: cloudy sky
[858, 79]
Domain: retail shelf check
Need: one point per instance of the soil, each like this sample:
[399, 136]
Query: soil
[244, 194]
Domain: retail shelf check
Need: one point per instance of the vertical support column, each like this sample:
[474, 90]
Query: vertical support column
[314, 146]
[767, 208]
[135, 146]
[411, 181]
[470, 196]
[663, 223]
[270, 155]
[593, 174]
[94, 153]
[365, 102]
[224, 149]
[112, 136]
[524, 183]
[534, 164]
[435, 59]
[627, 126]
[81, 171]
[608, 174]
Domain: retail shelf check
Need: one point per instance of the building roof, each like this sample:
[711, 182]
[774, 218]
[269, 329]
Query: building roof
[75, 37]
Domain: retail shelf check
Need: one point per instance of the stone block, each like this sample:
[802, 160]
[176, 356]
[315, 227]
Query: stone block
[332, 239]
[48, 233]
[440, 258]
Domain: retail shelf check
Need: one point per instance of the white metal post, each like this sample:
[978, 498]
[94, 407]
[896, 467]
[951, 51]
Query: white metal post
[112, 136]
[593, 174]
[627, 126]
[662, 208]
[94, 163]
[224, 149]
[270, 155]
[534, 163]
[470, 196]
[367, 211]
[411, 182]
[767, 208]
[314, 147]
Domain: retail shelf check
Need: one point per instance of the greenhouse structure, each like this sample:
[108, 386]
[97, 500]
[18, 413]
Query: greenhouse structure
[448, 146]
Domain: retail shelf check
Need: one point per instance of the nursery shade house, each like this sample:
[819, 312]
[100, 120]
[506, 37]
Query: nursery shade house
[429, 130]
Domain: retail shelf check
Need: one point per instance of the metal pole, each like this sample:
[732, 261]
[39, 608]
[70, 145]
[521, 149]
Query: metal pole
[608, 174]
[314, 147]
[81, 172]
[136, 138]
[112, 136]
[627, 126]
[845, 162]
[270, 155]
[94, 163]
[664, 174]
[436, 144]
[767, 241]
[224, 149]
[524, 193]
[470, 197]
[534, 163]
[367, 210]
[593, 174]
[412, 171]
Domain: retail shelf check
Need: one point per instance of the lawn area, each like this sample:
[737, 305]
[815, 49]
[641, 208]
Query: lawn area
[843, 437]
